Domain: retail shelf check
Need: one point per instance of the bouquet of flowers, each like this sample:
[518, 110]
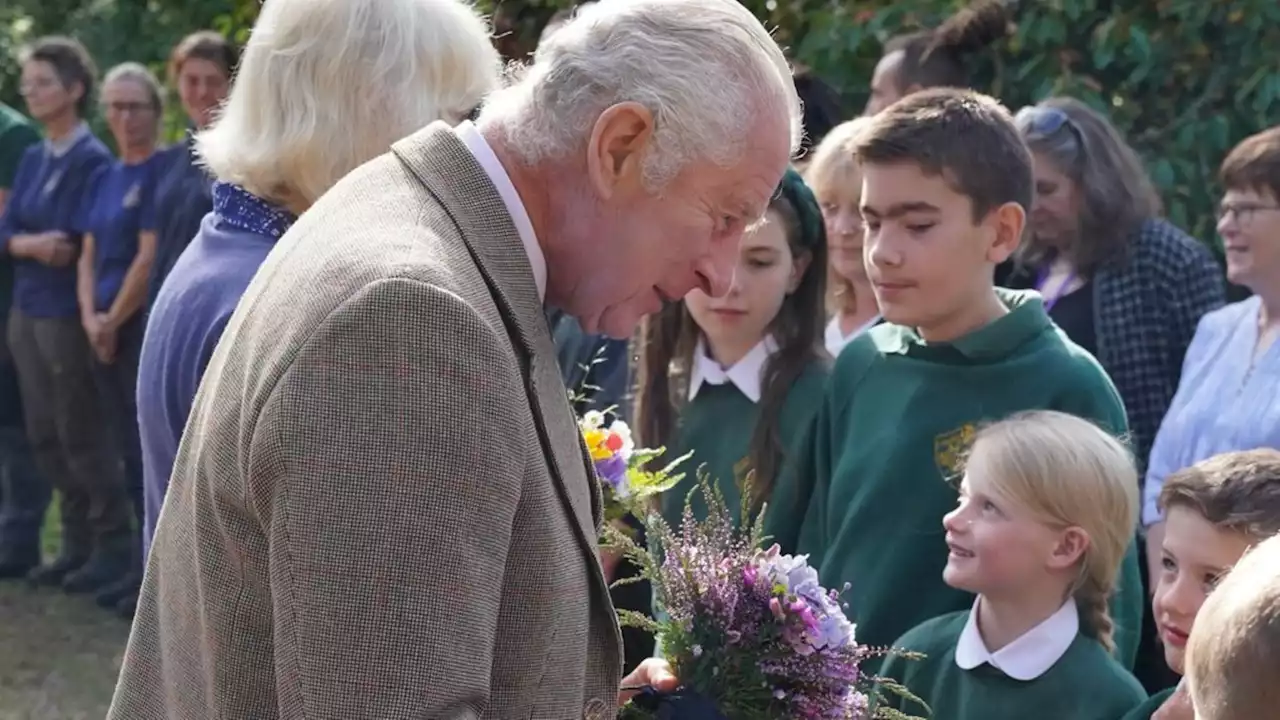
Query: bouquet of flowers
[625, 480]
[751, 633]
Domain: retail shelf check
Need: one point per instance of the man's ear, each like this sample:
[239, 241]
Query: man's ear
[616, 150]
[1007, 223]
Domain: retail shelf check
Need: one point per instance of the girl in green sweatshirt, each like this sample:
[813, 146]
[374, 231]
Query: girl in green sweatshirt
[734, 379]
[1048, 505]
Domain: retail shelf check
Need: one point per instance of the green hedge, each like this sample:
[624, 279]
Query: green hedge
[1184, 79]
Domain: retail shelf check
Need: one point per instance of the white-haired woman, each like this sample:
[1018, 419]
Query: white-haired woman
[322, 87]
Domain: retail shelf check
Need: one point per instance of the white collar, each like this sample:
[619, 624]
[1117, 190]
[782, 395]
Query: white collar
[836, 340]
[1028, 657]
[62, 146]
[470, 136]
[747, 374]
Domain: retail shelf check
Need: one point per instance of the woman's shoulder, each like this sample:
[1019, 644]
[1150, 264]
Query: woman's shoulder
[1160, 245]
[1226, 319]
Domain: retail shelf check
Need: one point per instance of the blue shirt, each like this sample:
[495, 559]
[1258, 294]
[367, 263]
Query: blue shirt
[188, 318]
[119, 208]
[50, 193]
[184, 195]
[1226, 400]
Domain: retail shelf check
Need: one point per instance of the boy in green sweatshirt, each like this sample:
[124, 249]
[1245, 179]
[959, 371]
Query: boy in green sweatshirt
[946, 184]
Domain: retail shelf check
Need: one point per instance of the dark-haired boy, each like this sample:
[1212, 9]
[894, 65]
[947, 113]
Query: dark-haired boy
[1214, 512]
[946, 180]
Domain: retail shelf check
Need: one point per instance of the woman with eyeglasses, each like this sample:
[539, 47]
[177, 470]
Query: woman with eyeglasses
[1120, 280]
[1229, 396]
[112, 282]
[39, 230]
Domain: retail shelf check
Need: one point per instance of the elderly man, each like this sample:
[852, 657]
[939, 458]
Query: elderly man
[382, 507]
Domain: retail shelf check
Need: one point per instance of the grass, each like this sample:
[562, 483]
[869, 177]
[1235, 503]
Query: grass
[59, 655]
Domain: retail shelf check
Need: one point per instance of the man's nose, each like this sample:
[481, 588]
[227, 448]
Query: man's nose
[715, 271]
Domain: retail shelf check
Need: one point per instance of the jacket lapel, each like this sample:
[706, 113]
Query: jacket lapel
[452, 175]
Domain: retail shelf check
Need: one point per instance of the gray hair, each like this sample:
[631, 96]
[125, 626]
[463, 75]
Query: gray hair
[704, 68]
[327, 85]
[138, 73]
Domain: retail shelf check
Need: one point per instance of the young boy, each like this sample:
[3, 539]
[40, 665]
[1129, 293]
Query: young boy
[946, 184]
[1233, 661]
[1214, 512]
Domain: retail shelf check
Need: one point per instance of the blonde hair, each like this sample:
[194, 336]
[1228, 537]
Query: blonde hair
[1069, 473]
[1233, 657]
[326, 85]
[832, 164]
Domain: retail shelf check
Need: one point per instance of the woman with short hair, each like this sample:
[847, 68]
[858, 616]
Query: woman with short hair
[39, 232]
[200, 68]
[323, 86]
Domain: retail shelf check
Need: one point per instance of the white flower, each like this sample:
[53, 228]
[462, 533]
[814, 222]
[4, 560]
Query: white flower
[593, 420]
[620, 429]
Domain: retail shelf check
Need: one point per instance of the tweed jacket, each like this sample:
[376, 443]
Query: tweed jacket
[382, 507]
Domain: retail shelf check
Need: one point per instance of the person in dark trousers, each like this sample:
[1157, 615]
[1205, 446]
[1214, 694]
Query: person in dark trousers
[50, 350]
[19, 515]
[112, 276]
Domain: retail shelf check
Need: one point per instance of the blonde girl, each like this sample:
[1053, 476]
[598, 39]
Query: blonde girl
[837, 183]
[1046, 513]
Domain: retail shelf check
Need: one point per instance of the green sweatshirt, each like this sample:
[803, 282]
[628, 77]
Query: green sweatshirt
[879, 468]
[1084, 684]
[718, 424]
[1152, 704]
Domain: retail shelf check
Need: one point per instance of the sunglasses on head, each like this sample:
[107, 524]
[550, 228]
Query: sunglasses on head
[1039, 121]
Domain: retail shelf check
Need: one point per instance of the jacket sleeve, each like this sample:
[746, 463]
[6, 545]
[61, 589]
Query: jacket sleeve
[386, 476]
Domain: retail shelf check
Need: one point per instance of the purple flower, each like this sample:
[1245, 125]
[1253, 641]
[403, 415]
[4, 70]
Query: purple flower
[613, 470]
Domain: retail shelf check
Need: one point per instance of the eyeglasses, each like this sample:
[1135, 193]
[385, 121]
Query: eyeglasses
[134, 108]
[1244, 213]
[1039, 121]
[27, 87]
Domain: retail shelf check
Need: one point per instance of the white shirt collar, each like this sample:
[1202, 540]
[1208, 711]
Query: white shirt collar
[1028, 657]
[747, 374]
[836, 340]
[470, 136]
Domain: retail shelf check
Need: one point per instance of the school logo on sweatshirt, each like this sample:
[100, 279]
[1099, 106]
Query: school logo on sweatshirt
[950, 447]
[133, 197]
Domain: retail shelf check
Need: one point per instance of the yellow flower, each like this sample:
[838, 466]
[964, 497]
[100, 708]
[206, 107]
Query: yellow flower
[596, 439]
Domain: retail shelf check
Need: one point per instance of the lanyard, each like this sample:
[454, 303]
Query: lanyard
[1063, 289]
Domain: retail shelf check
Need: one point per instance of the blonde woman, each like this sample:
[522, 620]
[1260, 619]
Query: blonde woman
[1048, 505]
[836, 181]
[323, 86]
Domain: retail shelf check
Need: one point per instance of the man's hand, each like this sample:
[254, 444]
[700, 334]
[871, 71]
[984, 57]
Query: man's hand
[654, 673]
